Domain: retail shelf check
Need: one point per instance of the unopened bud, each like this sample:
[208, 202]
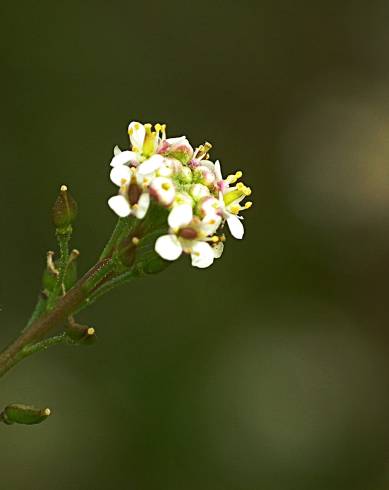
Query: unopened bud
[24, 414]
[65, 209]
[81, 333]
[178, 148]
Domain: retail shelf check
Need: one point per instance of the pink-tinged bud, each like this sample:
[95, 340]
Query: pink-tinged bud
[162, 190]
[178, 148]
[206, 176]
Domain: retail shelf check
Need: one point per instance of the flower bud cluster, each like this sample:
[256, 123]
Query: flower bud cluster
[183, 180]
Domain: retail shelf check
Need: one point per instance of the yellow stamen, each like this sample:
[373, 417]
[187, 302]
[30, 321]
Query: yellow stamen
[235, 209]
[231, 179]
[248, 205]
[214, 238]
[165, 186]
[90, 331]
[135, 240]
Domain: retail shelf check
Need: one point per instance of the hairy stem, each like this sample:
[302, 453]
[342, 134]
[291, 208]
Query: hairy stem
[65, 306]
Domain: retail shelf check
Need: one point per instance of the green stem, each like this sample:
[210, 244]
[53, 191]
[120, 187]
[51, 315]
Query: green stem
[66, 306]
[122, 225]
[42, 345]
[39, 309]
[63, 242]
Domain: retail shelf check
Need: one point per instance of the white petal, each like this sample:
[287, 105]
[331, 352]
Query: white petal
[121, 175]
[123, 158]
[120, 205]
[137, 134]
[116, 150]
[218, 170]
[218, 249]
[168, 247]
[199, 191]
[210, 223]
[176, 141]
[236, 226]
[180, 215]
[150, 165]
[142, 205]
[202, 255]
[210, 165]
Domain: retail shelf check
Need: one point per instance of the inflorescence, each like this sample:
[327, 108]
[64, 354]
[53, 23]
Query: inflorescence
[199, 200]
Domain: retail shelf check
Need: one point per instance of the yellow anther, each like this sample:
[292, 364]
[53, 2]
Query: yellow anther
[135, 149]
[46, 412]
[90, 331]
[135, 240]
[238, 174]
[137, 126]
[235, 209]
[214, 238]
[240, 186]
[131, 131]
[165, 186]
[231, 179]
[247, 191]
[248, 205]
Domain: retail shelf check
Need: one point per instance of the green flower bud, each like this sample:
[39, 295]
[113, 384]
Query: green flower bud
[24, 414]
[64, 210]
[81, 333]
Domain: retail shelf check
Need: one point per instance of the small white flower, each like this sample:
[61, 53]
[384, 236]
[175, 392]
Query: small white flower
[170, 247]
[189, 235]
[163, 190]
[131, 199]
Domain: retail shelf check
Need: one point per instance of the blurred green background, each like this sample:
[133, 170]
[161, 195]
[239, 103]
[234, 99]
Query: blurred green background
[268, 370]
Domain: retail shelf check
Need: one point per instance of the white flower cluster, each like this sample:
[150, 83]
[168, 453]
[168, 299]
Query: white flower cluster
[184, 181]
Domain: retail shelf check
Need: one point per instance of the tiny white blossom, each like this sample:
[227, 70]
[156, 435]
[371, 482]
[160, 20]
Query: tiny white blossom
[163, 190]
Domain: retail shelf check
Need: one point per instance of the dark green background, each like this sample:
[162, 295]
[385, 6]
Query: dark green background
[268, 370]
